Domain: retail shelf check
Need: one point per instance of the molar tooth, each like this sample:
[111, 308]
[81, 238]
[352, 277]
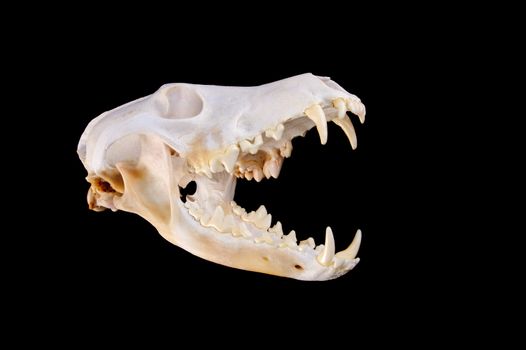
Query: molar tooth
[339, 104]
[216, 166]
[326, 255]
[356, 106]
[276, 133]
[309, 242]
[348, 129]
[228, 223]
[230, 158]
[351, 251]
[217, 218]
[245, 145]
[316, 114]
[264, 222]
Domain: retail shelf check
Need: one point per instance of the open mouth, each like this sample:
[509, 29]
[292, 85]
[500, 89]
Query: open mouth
[262, 156]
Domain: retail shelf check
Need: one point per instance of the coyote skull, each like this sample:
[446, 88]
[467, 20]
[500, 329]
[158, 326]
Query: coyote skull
[140, 154]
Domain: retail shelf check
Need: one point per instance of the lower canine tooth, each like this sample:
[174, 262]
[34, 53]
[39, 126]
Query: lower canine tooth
[316, 114]
[348, 129]
[351, 251]
[326, 255]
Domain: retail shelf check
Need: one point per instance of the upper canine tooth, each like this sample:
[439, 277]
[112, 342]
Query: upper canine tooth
[316, 114]
[339, 104]
[348, 129]
[357, 107]
[326, 255]
[352, 250]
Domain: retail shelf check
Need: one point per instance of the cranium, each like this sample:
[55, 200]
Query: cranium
[139, 155]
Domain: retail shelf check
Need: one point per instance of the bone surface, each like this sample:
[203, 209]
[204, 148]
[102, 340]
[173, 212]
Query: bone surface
[139, 155]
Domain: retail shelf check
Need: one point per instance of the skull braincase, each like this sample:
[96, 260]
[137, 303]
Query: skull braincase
[140, 154]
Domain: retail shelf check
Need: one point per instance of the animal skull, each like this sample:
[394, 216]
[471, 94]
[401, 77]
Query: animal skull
[139, 154]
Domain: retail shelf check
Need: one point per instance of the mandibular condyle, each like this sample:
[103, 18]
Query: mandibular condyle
[140, 154]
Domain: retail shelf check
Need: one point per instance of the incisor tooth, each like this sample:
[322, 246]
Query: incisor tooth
[325, 257]
[357, 107]
[348, 129]
[316, 114]
[339, 104]
[352, 250]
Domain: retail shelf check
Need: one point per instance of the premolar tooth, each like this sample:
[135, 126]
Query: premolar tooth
[351, 251]
[249, 175]
[264, 223]
[339, 104]
[277, 229]
[289, 240]
[286, 149]
[258, 174]
[276, 133]
[261, 212]
[316, 114]
[272, 168]
[326, 255]
[228, 223]
[264, 238]
[216, 166]
[348, 129]
[309, 242]
[245, 145]
[357, 107]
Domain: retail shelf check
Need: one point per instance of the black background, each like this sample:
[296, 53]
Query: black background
[396, 186]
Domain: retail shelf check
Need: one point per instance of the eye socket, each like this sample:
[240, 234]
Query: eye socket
[181, 102]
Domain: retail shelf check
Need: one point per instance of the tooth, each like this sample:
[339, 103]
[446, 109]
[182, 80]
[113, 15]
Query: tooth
[277, 229]
[245, 145]
[266, 169]
[352, 250]
[264, 238]
[286, 149]
[244, 231]
[325, 257]
[271, 168]
[264, 223]
[339, 104]
[357, 107]
[261, 212]
[239, 210]
[348, 129]
[205, 219]
[228, 224]
[217, 219]
[258, 174]
[229, 160]
[289, 240]
[309, 242]
[276, 133]
[249, 175]
[216, 166]
[258, 140]
[316, 114]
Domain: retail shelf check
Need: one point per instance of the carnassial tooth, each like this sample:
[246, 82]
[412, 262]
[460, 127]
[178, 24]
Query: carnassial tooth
[352, 250]
[357, 107]
[316, 114]
[309, 242]
[230, 158]
[339, 104]
[326, 255]
[348, 129]
[276, 133]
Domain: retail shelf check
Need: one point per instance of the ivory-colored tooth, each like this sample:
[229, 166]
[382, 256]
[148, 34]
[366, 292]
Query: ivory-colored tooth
[277, 229]
[286, 149]
[205, 219]
[290, 239]
[326, 255]
[276, 133]
[239, 211]
[339, 104]
[216, 166]
[272, 168]
[264, 223]
[245, 145]
[348, 129]
[261, 212]
[266, 169]
[217, 218]
[258, 174]
[230, 158]
[309, 242]
[228, 223]
[258, 140]
[317, 115]
[196, 212]
[357, 107]
[249, 175]
[352, 250]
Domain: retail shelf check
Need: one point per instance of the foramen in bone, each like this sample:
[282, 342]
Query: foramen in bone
[139, 155]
